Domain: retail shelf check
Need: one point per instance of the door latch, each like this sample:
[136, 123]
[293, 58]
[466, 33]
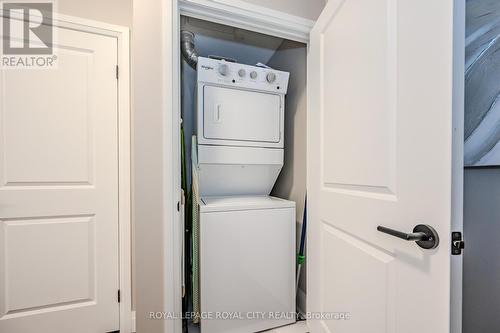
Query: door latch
[457, 243]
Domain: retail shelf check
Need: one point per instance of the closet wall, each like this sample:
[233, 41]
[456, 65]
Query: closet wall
[291, 184]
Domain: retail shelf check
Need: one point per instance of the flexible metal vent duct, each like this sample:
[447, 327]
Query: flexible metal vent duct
[187, 48]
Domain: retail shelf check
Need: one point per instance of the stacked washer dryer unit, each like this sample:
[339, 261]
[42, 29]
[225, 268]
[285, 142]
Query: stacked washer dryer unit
[247, 238]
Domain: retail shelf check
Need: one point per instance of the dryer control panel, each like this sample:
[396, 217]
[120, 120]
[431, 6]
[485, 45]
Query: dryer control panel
[220, 72]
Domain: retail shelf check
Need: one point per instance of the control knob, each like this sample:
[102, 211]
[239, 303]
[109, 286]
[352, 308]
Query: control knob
[271, 77]
[223, 69]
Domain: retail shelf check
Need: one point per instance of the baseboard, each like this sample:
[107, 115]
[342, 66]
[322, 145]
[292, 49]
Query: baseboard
[133, 322]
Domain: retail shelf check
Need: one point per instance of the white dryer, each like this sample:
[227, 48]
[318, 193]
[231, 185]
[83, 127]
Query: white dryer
[240, 125]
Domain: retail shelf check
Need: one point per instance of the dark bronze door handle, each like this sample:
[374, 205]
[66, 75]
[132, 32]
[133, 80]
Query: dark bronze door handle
[424, 235]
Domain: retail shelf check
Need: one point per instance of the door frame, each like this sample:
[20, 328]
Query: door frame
[124, 151]
[457, 176]
[241, 14]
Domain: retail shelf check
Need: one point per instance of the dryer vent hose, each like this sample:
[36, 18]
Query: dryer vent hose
[187, 48]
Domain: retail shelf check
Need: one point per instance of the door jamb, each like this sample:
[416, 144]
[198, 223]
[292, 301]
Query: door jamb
[457, 196]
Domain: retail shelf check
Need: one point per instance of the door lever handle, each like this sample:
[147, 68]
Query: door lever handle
[424, 235]
[415, 236]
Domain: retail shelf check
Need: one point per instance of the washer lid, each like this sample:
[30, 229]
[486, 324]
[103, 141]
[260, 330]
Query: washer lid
[221, 204]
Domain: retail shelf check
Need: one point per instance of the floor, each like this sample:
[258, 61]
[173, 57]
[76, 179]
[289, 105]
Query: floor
[299, 327]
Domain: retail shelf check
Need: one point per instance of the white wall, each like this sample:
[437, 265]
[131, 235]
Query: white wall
[309, 9]
[110, 11]
[155, 152]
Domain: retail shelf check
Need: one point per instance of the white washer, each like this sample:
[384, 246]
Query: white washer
[247, 263]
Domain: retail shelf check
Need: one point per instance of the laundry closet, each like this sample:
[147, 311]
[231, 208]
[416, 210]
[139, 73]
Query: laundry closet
[383, 127]
[243, 109]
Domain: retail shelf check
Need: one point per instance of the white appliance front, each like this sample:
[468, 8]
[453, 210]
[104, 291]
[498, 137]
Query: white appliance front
[240, 115]
[228, 170]
[240, 105]
[247, 263]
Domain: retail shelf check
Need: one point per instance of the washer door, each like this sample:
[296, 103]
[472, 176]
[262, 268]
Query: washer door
[240, 115]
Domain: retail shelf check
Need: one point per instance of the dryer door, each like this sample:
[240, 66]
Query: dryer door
[240, 117]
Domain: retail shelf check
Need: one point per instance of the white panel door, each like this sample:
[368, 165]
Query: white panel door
[380, 136]
[59, 191]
